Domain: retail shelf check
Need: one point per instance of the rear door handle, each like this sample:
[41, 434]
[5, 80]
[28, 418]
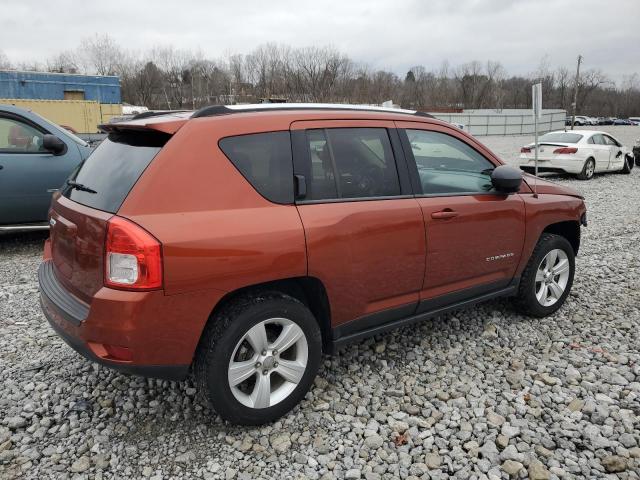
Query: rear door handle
[444, 214]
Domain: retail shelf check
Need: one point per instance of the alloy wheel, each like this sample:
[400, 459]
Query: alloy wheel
[552, 277]
[590, 168]
[268, 363]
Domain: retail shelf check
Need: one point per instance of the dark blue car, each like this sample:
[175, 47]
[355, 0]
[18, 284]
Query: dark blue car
[36, 157]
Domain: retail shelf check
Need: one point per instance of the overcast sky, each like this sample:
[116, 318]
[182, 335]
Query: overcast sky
[390, 34]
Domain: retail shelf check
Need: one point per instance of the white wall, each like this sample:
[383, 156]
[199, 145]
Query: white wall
[505, 122]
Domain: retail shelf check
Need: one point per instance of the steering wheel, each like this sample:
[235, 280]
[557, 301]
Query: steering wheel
[369, 181]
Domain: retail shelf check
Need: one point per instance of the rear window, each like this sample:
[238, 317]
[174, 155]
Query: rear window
[106, 177]
[264, 159]
[563, 137]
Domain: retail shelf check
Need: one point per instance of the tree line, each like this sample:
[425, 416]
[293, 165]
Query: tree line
[170, 78]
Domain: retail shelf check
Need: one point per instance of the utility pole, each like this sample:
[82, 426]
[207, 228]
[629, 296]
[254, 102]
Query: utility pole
[575, 92]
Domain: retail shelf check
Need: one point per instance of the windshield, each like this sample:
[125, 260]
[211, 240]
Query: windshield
[105, 178]
[563, 137]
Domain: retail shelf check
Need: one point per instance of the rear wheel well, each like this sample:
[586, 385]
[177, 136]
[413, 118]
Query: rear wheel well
[569, 230]
[308, 290]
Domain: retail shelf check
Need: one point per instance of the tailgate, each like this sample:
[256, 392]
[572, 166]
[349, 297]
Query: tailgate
[77, 246]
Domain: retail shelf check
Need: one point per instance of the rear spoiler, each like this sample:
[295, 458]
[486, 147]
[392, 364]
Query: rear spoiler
[165, 122]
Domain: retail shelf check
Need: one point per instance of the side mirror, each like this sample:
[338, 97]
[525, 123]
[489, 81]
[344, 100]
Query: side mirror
[506, 179]
[53, 144]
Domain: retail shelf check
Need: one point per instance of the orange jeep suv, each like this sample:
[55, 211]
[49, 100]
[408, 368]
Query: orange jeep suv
[243, 242]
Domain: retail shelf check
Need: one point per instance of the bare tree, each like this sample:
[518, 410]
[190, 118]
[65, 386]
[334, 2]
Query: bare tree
[5, 64]
[562, 85]
[64, 62]
[589, 82]
[165, 77]
[101, 54]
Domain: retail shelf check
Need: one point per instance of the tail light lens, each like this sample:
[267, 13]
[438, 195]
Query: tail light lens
[566, 150]
[133, 257]
[525, 150]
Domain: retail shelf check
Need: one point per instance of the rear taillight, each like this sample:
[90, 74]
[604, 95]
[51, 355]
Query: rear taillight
[133, 257]
[525, 150]
[566, 150]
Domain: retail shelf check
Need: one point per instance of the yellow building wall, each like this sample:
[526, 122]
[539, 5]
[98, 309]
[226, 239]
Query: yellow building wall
[83, 116]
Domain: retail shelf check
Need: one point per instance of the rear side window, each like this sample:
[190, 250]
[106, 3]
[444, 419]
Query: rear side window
[264, 159]
[351, 163]
[106, 177]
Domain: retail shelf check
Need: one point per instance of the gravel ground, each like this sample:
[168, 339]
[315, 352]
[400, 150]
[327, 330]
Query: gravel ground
[483, 393]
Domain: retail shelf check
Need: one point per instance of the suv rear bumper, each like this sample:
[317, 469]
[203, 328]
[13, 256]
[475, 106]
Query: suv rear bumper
[81, 326]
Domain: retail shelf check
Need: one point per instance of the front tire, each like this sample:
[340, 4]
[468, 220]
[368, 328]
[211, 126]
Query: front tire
[628, 165]
[588, 170]
[547, 278]
[258, 358]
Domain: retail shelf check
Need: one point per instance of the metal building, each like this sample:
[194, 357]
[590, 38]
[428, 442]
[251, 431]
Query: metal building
[59, 86]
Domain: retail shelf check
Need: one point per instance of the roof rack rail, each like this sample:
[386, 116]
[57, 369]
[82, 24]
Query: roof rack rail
[213, 110]
[155, 113]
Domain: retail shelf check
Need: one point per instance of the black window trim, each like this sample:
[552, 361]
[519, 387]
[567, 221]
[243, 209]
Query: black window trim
[413, 166]
[292, 197]
[20, 118]
[302, 163]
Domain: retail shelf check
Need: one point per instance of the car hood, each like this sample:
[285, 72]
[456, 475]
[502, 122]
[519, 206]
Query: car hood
[548, 187]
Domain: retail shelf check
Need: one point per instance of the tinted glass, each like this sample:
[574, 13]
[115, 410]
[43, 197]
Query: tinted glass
[19, 137]
[351, 163]
[598, 139]
[264, 159]
[113, 169]
[322, 184]
[564, 137]
[447, 165]
[610, 141]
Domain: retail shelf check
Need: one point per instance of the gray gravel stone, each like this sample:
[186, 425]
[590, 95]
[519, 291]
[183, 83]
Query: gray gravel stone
[512, 468]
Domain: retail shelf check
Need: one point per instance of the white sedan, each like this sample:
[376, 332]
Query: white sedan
[579, 152]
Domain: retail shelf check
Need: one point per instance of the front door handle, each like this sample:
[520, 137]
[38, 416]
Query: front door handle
[444, 214]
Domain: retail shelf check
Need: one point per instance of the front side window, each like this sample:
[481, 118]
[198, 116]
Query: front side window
[19, 137]
[264, 159]
[610, 141]
[447, 165]
[350, 163]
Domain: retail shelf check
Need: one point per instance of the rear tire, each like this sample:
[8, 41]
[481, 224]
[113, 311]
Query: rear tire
[588, 170]
[628, 165]
[547, 278]
[245, 378]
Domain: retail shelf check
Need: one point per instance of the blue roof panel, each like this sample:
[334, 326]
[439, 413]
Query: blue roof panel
[51, 86]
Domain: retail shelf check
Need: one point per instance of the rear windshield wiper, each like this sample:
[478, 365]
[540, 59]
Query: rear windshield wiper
[79, 186]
